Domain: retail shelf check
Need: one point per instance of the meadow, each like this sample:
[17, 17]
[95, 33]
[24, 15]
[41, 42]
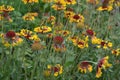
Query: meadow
[59, 40]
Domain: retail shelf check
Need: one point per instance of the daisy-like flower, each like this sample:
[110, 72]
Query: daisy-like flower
[51, 19]
[73, 38]
[116, 52]
[68, 14]
[102, 64]
[106, 5]
[30, 16]
[105, 44]
[69, 2]
[59, 48]
[11, 39]
[81, 43]
[59, 5]
[84, 67]
[26, 33]
[62, 32]
[5, 10]
[95, 40]
[30, 1]
[56, 70]
[77, 18]
[29, 35]
[58, 44]
[43, 29]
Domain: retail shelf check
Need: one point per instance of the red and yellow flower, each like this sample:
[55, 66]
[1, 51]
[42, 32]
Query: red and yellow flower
[84, 67]
[11, 39]
[116, 52]
[77, 18]
[30, 1]
[69, 2]
[56, 70]
[59, 5]
[102, 64]
[30, 16]
[43, 29]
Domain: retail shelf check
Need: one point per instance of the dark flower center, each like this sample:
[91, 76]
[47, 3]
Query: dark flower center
[10, 34]
[90, 32]
[76, 17]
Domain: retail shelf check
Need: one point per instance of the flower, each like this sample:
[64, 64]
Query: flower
[59, 48]
[116, 52]
[57, 69]
[11, 39]
[108, 8]
[30, 16]
[29, 35]
[26, 33]
[51, 19]
[76, 18]
[68, 14]
[81, 43]
[5, 9]
[43, 29]
[62, 32]
[84, 66]
[36, 46]
[106, 5]
[95, 40]
[101, 43]
[30, 1]
[58, 40]
[59, 5]
[105, 44]
[102, 64]
[10, 34]
[90, 32]
[69, 2]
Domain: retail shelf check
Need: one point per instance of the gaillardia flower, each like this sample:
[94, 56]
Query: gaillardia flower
[30, 1]
[11, 39]
[116, 52]
[84, 67]
[30, 16]
[5, 10]
[56, 70]
[77, 18]
[69, 2]
[43, 29]
[59, 5]
[106, 5]
[102, 64]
